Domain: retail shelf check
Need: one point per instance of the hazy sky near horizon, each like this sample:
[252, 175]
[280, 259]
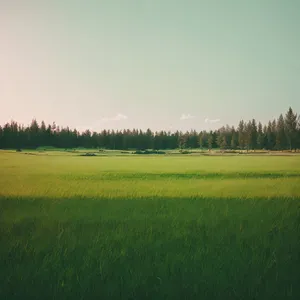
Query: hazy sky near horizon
[161, 64]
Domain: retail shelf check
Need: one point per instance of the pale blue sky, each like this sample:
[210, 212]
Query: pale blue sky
[158, 64]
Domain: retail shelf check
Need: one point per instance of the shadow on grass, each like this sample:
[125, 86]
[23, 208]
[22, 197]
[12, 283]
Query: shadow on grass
[149, 248]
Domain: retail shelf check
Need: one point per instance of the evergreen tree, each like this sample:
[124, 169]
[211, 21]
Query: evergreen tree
[298, 133]
[241, 134]
[48, 136]
[210, 141]
[14, 134]
[1, 138]
[182, 142]
[158, 141]
[193, 139]
[274, 127]
[42, 134]
[253, 134]
[95, 140]
[291, 128]
[201, 140]
[223, 137]
[228, 135]
[270, 137]
[260, 137]
[248, 135]
[234, 139]
[220, 135]
[214, 139]
[6, 136]
[280, 134]
[86, 139]
[223, 145]
[149, 139]
[125, 140]
[34, 134]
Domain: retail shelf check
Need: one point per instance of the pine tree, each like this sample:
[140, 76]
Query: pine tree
[220, 135]
[201, 140]
[34, 134]
[223, 145]
[175, 139]
[280, 134]
[210, 141]
[1, 138]
[149, 139]
[193, 139]
[291, 128]
[48, 137]
[228, 133]
[253, 134]
[247, 135]
[298, 133]
[183, 139]
[241, 134]
[260, 137]
[42, 134]
[124, 141]
[270, 137]
[233, 141]
[274, 127]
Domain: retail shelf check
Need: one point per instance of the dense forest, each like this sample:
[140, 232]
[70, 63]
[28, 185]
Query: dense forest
[278, 134]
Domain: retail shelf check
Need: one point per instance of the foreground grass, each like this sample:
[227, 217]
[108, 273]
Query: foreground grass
[149, 228]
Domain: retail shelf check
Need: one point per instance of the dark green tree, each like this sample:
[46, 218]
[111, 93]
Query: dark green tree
[234, 139]
[260, 137]
[210, 141]
[248, 135]
[298, 132]
[241, 134]
[224, 145]
[280, 134]
[183, 139]
[1, 138]
[253, 134]
[34, 134]
[270, 136]
[291, 128]
[201, 139]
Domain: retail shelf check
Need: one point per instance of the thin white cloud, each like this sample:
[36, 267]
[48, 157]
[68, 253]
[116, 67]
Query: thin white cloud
[207, 120]
[186, 117]
[118, 117]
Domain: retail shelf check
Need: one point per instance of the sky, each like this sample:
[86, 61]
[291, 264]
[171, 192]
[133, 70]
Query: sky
[159, 64]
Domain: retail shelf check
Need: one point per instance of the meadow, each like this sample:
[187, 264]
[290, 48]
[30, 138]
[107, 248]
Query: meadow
[149, 227]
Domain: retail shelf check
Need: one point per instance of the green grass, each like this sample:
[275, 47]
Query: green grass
[149, 227]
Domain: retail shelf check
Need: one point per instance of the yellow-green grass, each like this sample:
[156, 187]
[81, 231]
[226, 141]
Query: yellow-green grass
[157, 227]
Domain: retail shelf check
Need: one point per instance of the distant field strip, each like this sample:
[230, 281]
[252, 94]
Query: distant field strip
[175, 176]
[122, 177]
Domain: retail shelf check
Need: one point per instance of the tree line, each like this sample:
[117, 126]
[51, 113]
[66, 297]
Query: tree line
[282, 133]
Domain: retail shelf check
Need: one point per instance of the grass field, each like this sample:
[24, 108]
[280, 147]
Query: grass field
[149, 227]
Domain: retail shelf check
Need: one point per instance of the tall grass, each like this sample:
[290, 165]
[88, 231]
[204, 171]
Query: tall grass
[149, 227]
